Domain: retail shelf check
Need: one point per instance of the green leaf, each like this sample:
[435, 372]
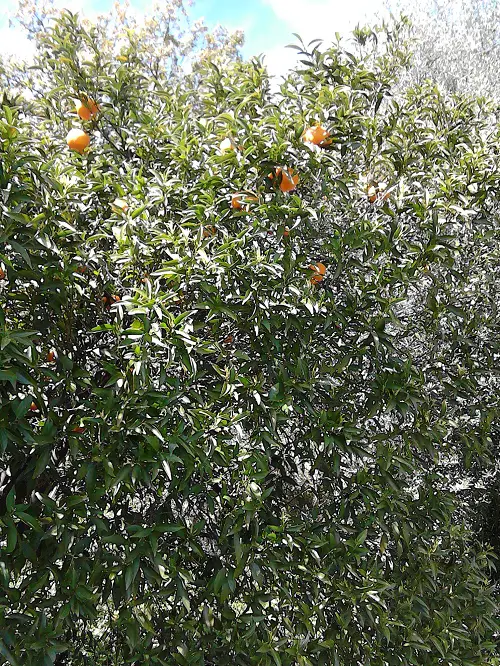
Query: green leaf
[131, 573]
[256, 572]
[10, 500]
[11, 538]
[42, 462]
[29, 520]
[7, 654]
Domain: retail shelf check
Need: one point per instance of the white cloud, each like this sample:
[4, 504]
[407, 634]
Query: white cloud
[279, 59]
[316, 19]
[13, 42]
[13, 39]
[321, 19]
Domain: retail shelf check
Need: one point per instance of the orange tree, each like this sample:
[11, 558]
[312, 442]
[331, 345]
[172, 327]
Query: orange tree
[220, 443]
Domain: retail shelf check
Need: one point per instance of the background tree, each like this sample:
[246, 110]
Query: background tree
[455, 43]
[214, 452]
[163, 42]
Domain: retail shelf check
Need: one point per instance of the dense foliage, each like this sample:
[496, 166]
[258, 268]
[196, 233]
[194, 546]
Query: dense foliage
[164, 41]
[455, 43]
[211, 455]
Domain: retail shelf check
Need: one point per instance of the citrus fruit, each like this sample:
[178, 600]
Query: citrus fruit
[371, 193]
[240, 200]
[121, 204]
[77, 140]
[319, 271]
[226, 145]
[316, 135]
[209, 230]
[288, 181]
[86, 109]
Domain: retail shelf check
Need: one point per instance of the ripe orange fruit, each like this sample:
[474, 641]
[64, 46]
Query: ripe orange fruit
[86, 109]
[107, 301]
[78, 429]
[229, 340]
[82, 269]
[120, 204]
[286, 232]
[2, 274]
[316, 135]
[51, 356]
[319, 271]
[371, 193]
[226, 145]
[239, 200]
[236, 202]
[376, 191]
[209, 230]
[77, 140]
[33, 407]
[288, 181]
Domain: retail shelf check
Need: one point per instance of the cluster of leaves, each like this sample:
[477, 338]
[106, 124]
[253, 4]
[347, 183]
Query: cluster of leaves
[229, 464]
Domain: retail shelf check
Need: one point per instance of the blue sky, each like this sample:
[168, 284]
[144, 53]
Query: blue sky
[268, 24]
[263, 29]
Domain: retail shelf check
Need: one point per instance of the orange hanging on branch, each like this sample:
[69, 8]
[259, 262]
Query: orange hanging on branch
[242, 201]
[86, 108]
[317, 136]
[287, 179]
[77, 140]
[319, 272]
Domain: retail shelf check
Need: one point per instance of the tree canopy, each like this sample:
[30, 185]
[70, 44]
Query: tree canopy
[234, 364]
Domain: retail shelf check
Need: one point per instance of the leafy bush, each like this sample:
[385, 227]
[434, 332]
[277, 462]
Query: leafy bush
[211, 456]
